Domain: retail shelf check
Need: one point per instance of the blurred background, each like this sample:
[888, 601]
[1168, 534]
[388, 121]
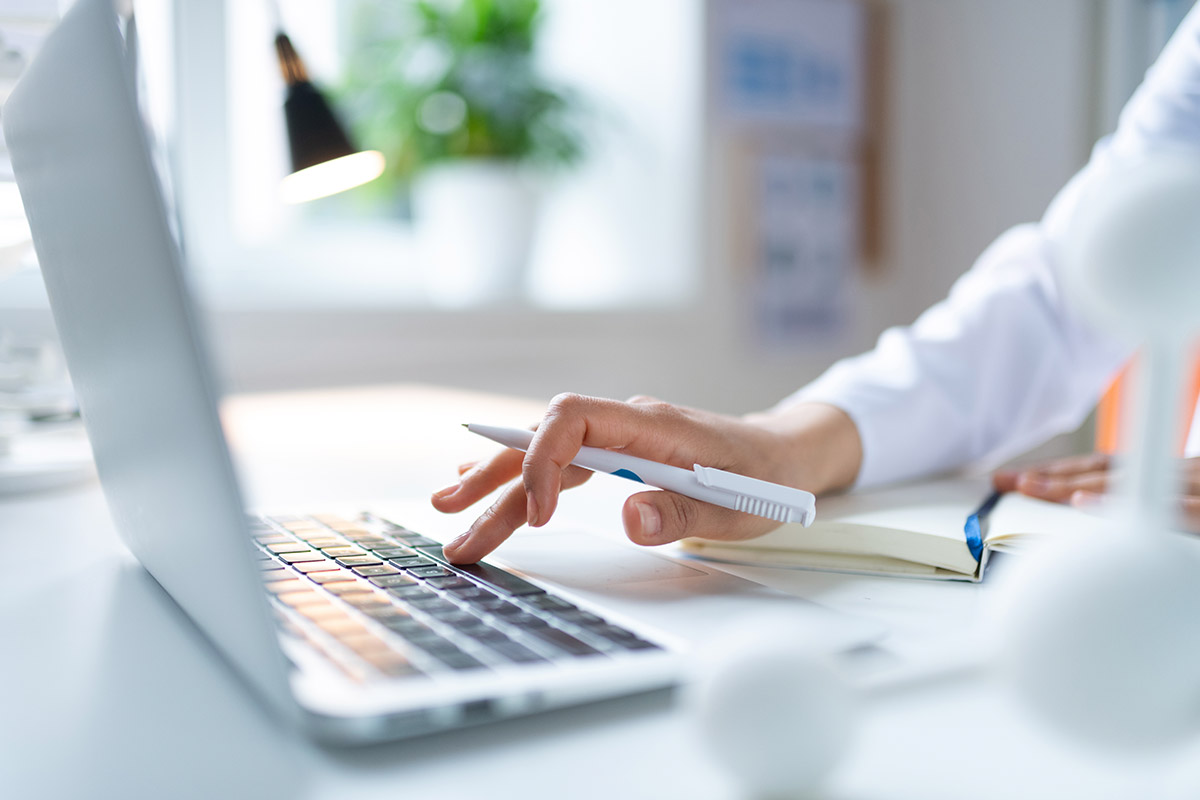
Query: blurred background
[703, 200]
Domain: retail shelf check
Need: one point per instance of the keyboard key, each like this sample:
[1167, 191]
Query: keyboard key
[289, 585]
[409, 628]
[470, 593]
[364, 599]
[612, 633]
[326, 541]
[378, 569]
[309, 567]
[411, 592]
[359, 561]
[412, 561]
[308, 555]
[450, 582]
[455, 618]
[354, 532]
[392, 552]
[432, 604]
[428, 572]
[301, 598]
[382, 613]
[328, 575]
[639, 644]
[417, 540]
[514, 651]
[365, 643]
[564, 641]
[523, 620]
[501, 608]
[390, 663]
[273, 538]
[341, 552]
[322, 611]
[289, 547]
[341, 626]
[493, 577]
[388, 581]
[317, 534]
[343, 587]
[374, 543]
[304, 525]
[550, 602]
[580, 617]
[459, 660]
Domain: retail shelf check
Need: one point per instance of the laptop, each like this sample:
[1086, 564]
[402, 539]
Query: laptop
[353, 627]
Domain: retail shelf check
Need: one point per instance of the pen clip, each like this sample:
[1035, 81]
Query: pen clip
[803, 503]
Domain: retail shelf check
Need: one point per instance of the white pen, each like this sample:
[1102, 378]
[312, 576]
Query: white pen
[725, 489]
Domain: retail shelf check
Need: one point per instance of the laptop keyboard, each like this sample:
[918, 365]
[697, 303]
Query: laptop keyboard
[382, 601]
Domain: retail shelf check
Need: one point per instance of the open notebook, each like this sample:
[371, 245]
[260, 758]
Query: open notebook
[912, 530]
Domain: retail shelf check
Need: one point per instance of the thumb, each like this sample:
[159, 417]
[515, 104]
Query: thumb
[661, 517]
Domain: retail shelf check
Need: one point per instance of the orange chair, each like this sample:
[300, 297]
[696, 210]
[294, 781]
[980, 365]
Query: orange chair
[1112, 404]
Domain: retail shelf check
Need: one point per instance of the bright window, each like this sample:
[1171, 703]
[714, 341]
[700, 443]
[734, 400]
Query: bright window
[619, 231]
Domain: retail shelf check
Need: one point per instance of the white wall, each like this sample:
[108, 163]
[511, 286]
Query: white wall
[988, 109]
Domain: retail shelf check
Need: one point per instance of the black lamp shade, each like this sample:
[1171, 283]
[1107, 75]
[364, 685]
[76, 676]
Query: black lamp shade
[314, 133]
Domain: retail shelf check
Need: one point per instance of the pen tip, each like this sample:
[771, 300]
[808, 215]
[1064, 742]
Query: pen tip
[466, 424]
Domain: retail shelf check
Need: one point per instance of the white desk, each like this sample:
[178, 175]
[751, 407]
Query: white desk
[109, 692]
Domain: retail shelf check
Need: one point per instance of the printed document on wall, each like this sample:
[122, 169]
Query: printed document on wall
[792, 62]
[805, 246]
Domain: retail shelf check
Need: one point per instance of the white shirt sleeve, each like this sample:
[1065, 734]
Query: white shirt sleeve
[1004, 362]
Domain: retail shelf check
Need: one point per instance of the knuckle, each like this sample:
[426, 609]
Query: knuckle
[567, 403]
[683, 511]
[642, 399]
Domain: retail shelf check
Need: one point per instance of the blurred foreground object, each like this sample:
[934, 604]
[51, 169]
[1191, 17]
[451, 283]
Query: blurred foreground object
[1104, 643]
[772, 712]
[324, 162]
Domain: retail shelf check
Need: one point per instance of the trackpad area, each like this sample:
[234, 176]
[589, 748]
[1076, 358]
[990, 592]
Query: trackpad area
[583, 561]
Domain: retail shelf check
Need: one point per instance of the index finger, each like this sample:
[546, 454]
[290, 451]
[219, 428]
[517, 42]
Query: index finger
[658, 431]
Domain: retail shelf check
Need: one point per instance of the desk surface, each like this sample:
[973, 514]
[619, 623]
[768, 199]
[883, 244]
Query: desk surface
[110, 692]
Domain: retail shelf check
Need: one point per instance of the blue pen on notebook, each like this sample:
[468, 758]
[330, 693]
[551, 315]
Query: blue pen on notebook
[977, 523]
[721, 488]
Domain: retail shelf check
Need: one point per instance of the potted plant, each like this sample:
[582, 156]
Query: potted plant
[450, 92]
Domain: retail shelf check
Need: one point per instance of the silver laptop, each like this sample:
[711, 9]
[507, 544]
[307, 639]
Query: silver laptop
[354, 627]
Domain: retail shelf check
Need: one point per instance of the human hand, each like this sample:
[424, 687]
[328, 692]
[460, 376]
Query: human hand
[1082, 481]
[809, 446]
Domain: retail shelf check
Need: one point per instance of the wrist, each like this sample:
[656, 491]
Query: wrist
[814, 446]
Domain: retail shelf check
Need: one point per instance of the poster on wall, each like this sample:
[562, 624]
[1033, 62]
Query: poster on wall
[791, 62]
[804, 246]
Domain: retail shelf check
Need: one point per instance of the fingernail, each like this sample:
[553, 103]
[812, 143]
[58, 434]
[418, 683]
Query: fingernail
[441, 494]
[531, 508]
[456, 542]
[650, 518]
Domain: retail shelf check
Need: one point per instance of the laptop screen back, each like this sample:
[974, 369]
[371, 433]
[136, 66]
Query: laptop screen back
[129, 333]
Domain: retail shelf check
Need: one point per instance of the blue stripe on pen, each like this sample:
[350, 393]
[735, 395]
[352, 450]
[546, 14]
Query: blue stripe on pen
[633, 476]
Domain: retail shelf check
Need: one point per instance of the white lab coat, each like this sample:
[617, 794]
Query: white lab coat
[1005, 362]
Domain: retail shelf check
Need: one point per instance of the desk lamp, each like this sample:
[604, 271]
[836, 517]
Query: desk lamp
[324, 162]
